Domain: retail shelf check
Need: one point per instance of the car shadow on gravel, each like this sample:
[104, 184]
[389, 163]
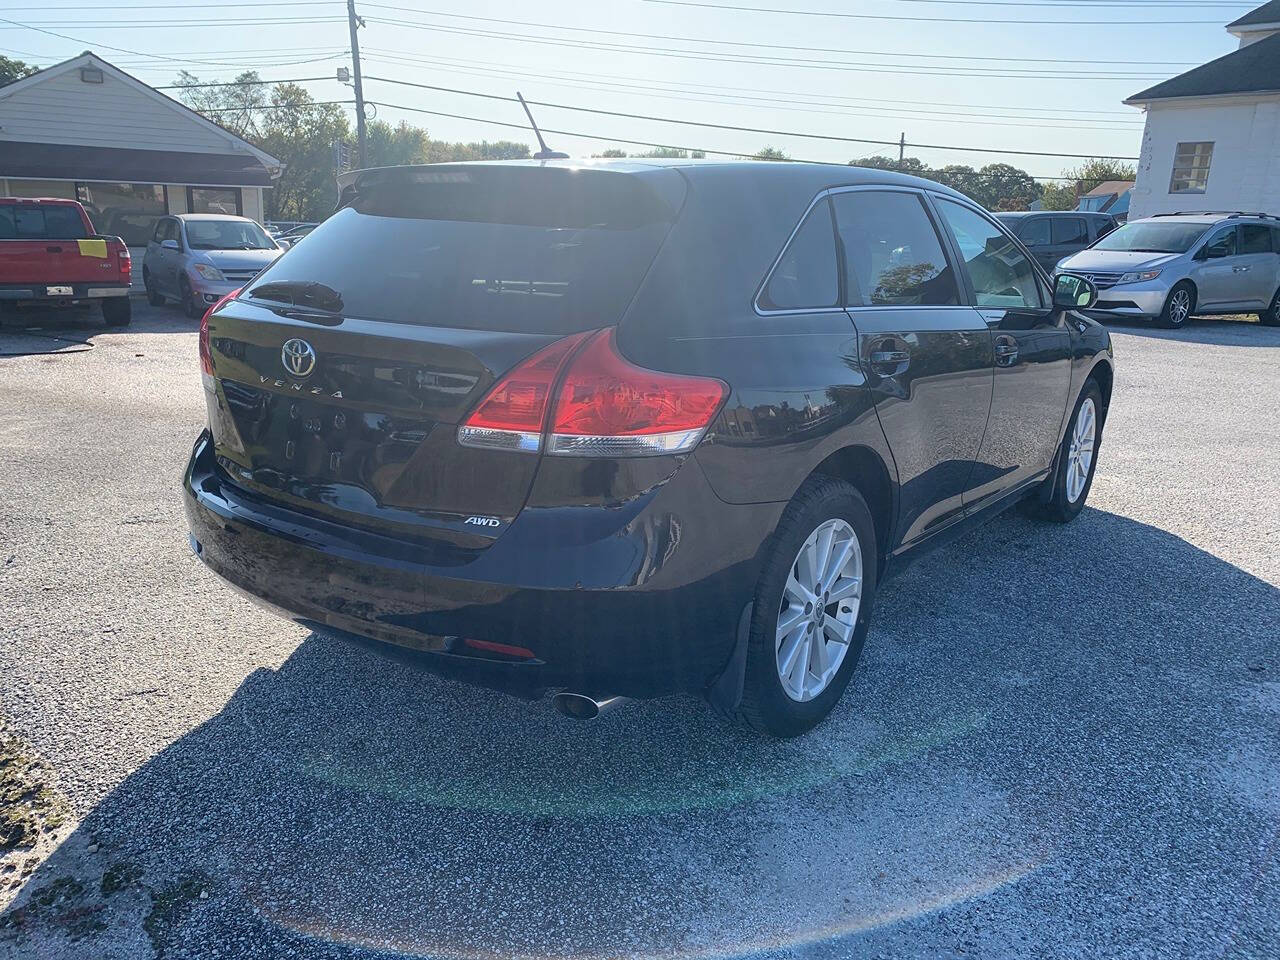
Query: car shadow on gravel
[1217, 331]
[1067, 731]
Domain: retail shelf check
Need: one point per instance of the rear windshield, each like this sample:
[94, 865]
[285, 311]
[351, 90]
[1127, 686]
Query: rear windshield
[23, 221]
[1153, 236]
[512, 249]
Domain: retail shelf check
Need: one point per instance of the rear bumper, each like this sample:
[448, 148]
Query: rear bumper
[40, 293]
[640, 600]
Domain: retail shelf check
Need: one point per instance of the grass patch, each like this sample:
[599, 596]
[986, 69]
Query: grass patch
[170, 906]
[28, 806]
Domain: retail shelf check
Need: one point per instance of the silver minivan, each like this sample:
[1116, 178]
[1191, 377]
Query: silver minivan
[1173, 266]
[197, 258]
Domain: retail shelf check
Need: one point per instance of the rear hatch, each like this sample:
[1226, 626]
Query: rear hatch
[48, 244]
[342, 372]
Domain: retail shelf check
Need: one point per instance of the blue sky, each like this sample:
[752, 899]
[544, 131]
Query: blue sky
[866, 78]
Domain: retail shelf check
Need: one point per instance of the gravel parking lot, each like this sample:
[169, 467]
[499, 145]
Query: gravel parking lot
[1061, 741]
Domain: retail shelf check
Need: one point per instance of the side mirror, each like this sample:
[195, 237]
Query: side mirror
[284, 244]
[169, 244]
[1073, 293]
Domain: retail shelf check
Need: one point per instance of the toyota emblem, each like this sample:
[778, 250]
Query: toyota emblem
[298, 357]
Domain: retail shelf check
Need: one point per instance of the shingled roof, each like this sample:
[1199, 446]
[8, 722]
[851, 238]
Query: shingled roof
[1267, 13]
[1251, 69]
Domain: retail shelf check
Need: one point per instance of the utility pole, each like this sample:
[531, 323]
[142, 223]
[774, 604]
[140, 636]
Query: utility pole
[902, 147]
[355, 23]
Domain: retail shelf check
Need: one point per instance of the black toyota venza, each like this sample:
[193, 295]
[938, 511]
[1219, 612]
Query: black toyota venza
[622, 429]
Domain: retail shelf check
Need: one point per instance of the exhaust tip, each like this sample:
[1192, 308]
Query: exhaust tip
[576, 705]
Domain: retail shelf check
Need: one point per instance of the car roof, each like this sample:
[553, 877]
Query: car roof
[210, 216]
[1209, 218]
[1022, 214]
[784, 174]
[61, 200]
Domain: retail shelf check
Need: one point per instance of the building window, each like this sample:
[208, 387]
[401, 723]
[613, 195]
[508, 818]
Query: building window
[1191, 167]
[59, 189]
[125, 210]
[214, 200]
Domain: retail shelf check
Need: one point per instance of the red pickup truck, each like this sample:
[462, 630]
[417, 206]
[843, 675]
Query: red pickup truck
[50, 256]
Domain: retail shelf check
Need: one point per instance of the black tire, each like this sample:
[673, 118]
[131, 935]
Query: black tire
[192, 307]
[765, 705]
[1271, 318]
[154, 297]
[1053, 504]
[1172, 316]
[117, 311]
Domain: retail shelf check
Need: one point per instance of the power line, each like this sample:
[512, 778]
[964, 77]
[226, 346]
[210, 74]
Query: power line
[878, 16]
[937, 70]
[527, 71]
[640, 143]
[742, 43]
[789, 105]
[237, 83]
[741, 129]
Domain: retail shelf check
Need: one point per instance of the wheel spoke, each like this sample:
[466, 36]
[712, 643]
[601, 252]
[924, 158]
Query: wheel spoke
[822, 556]
[788, 620]
[788, 649]
[798, 592]
[843, 589]
[801, 667]
[840, 557]
[838, 631]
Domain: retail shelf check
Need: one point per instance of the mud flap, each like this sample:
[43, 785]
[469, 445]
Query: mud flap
[725, 692]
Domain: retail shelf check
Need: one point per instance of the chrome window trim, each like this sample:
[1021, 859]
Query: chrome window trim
[755, 301]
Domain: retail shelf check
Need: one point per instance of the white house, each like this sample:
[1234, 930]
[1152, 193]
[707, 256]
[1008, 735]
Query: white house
[86, 130]
[1212, 137]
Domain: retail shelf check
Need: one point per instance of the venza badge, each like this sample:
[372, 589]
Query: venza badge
[298, 357]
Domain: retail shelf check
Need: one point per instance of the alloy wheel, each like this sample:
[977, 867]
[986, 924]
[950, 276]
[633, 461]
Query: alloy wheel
[1080, 453]
[1180, 307]
[819, 610]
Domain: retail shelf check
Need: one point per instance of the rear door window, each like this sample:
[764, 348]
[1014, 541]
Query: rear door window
[806, 276]
[1070, 231]
[1000, 274]
[1035, 233]
[41, 222]
[1255, 238]
[520, 249]
[893, 255]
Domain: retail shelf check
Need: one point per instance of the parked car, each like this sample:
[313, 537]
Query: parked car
[296, 233]
[635, 428]
[50, 256]
[1051, 235]
[196, 258]
[1170, 267]
[277, 228]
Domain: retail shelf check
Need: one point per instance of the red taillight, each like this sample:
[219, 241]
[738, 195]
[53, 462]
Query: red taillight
[513, 413]
[125, 259]
[606, 406]
[206, 355]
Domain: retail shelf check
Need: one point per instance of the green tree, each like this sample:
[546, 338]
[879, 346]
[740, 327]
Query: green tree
[912, 165]
[388, 146]
[770, 153]
[236, 105]
[1077, 181]
[1006, 187]
[11, 70]
[301, 133]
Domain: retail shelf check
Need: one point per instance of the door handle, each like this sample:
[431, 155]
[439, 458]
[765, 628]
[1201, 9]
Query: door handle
[1239, 269]
[887, 358]
[1006, 352]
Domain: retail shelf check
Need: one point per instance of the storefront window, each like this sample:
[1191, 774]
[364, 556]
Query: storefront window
[214, 200]
[61, 189]
[125, 210]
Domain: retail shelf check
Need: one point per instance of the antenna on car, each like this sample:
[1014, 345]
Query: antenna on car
[545, 153]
